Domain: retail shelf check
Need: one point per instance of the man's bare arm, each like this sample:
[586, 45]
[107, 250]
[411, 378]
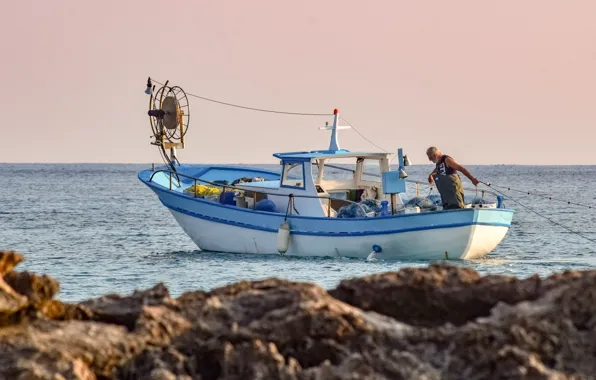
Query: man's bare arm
[431, 178]
[454, 165]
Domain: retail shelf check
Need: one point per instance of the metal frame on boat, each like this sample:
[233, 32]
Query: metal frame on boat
[302, 212]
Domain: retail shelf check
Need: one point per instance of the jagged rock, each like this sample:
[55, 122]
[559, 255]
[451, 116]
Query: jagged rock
[442, 294]
[65, 348]
[319, 337]
[22, 294]
[125, 311]
[11, 302]
[38, 289]
[439, 322]
[8, 260]
[59, 311]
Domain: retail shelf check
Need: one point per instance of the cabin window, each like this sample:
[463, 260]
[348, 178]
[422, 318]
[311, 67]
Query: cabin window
[371, 170]
[332, 173]
[315, 170]
[293, 174]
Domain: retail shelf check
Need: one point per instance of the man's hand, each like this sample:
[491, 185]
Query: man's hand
[474, 181]
[431, 179]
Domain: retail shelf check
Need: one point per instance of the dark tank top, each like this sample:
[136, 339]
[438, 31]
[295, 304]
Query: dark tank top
[442, 168]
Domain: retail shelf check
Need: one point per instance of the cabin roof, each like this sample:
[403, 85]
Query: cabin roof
[328, 154]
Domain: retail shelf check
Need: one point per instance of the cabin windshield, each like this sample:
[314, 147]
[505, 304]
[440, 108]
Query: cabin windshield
[293, 174]
[354, 178]
[371, 170]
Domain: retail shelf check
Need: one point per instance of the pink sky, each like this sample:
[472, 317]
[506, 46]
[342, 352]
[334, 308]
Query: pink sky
[509, 82]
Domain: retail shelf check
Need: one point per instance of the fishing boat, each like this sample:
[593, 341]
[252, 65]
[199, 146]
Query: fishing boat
[302, 210]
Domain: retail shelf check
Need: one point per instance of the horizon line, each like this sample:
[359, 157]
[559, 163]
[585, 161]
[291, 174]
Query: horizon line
[245, 164]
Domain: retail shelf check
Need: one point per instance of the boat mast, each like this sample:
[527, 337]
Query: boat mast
[334, 143]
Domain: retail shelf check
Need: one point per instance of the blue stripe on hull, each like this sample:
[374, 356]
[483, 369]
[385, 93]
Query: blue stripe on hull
[313, 226]
[329, 234]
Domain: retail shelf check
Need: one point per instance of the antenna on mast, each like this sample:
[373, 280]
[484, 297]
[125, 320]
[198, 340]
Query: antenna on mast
[333, 143]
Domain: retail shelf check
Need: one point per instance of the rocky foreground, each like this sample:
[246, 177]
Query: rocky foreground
[441, 322]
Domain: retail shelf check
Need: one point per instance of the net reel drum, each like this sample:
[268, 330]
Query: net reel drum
[169, 115]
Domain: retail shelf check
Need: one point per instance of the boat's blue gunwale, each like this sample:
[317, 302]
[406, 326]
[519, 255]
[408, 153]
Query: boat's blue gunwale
[327, 233]
[160, 188]
[233, 168]
[323, 226]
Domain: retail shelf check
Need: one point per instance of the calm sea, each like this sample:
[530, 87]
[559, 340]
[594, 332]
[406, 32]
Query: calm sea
[97, 229]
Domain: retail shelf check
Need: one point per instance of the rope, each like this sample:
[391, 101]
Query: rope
[546, 196]
[361, 135]
[251, 108]
[495, 187]
[288, 208]
[280, 112]
[541, 215]
[431, 187]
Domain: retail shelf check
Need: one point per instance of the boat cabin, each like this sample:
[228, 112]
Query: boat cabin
[321, 186]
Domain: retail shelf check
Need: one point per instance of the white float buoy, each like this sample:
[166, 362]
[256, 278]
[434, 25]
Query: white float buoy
[283, 237]
[376, 249]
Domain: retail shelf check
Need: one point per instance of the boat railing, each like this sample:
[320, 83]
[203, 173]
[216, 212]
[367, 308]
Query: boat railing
[225, 187]
[416, 182]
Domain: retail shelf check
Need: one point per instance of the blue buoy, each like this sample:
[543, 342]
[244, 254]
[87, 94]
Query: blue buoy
[384, 208]
[376, 249]
[265, 205]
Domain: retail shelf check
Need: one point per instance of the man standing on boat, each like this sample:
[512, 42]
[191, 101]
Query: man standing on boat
[447, 180]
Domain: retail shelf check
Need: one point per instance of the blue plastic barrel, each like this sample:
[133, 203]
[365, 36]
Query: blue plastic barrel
[265, 205]
[227, 198]
[384, 208]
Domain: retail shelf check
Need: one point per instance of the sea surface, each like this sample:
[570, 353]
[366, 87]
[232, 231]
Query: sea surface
[97, 229]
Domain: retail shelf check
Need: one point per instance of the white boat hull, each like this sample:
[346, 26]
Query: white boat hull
[214, 226]
[465, 242]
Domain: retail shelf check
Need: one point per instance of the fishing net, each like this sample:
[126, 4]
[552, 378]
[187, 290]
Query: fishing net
[479, 201]
[429, 203]
[202, 190]
[352, 210]
[367, 207]
[372, 205]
